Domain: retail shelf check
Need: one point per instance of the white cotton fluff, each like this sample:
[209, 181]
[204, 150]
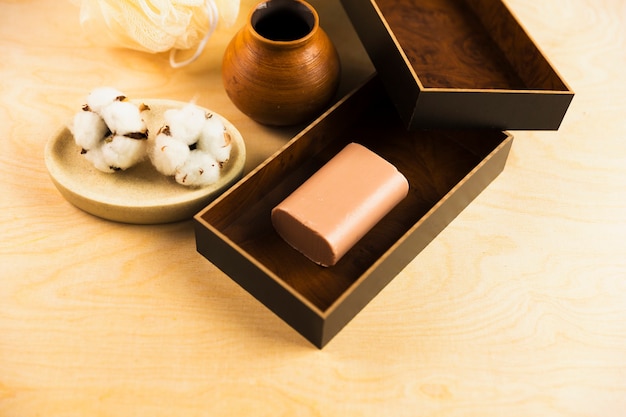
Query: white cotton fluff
[110, 130]
[186, 123]
[97, 159]
[123, 152]
[168, 153]
[123, 118]
[191, 146]
[101, 97]
[199, 170]
[88, 129]
[215, 140]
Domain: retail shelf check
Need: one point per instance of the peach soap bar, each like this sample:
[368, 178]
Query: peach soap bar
[339, 204]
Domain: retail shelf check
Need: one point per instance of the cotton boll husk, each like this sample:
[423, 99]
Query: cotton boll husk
[185, 123]
[88, 129]
[123, 118]
[199, 170]
[101, 97]
[215, 140]
[124, 152]
[168, 154]
[96, 157]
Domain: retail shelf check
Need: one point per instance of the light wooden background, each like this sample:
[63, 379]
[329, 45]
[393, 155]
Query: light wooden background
[517, 309]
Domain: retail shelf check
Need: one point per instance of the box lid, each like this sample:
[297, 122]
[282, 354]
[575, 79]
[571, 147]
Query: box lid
[460, 63]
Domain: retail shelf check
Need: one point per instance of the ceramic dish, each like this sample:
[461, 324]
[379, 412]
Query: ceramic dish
[139, 195]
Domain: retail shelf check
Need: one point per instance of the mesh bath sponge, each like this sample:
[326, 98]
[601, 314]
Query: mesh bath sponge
[156, 25]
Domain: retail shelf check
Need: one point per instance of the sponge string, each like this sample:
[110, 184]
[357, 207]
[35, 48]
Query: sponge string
[213, 16]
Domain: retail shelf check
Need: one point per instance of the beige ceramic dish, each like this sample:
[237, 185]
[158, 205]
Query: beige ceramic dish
[139, 195]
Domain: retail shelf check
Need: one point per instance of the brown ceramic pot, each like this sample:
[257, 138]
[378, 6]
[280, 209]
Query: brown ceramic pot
[281, 68]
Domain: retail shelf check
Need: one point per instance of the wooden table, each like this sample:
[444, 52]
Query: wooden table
[518, 308]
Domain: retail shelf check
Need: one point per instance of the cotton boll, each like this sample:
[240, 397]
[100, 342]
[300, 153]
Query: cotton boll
[221, 152]
[185, 123]
[96, 157]
[168, 153]
[212, 131]
[215, 140]
[199, 170]
[103, 96]
[123, 118]
[123, 152]
[88, 129]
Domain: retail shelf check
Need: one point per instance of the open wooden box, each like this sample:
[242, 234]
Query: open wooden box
[446, 169]
[460, 63]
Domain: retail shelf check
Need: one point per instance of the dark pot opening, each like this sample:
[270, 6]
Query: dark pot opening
[283, 20]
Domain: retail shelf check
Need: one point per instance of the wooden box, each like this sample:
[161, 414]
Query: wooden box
[460, 63]
[446, 169]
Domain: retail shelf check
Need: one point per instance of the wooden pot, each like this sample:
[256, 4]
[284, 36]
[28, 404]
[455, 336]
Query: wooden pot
[281, 68]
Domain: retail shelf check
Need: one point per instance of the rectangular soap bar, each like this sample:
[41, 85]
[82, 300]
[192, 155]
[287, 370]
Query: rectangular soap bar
[339, 204]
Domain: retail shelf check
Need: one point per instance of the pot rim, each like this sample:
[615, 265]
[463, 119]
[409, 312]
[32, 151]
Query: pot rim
[293, 42]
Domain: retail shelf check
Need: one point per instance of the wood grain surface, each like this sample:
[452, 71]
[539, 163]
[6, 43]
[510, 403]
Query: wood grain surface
[518, 308]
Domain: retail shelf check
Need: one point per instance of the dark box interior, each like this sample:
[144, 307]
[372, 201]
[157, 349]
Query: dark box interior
[446, 169]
